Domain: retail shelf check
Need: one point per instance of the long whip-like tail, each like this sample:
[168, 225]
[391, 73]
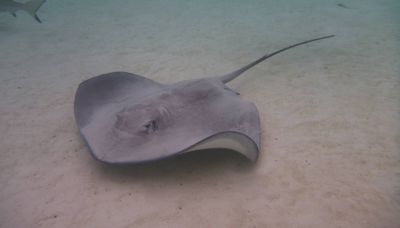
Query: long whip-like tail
[229, 77]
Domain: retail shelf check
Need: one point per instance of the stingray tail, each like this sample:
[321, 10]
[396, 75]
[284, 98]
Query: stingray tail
[32, 7]
[229, 77]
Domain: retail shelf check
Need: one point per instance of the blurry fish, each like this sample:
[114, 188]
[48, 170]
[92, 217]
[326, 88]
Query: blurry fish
[30, 7]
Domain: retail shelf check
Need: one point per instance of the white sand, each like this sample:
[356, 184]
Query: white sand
[330, 114]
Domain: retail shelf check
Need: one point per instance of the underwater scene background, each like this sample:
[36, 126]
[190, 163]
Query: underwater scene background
[329, 111]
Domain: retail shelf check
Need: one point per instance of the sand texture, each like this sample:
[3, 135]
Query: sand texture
[330, 114]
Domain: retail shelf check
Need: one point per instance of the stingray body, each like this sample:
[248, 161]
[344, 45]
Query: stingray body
[127, 118]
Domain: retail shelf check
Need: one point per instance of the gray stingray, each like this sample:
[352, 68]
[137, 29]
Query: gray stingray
[127, 118]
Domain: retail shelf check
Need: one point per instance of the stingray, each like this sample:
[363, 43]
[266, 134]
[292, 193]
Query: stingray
[127, 118]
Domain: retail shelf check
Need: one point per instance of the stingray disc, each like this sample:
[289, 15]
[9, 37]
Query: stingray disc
[126, 118]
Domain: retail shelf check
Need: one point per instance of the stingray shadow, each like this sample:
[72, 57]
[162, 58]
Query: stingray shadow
[183, 168]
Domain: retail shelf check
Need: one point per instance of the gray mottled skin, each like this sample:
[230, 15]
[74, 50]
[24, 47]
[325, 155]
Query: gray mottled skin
[30, 7]
[127, 118]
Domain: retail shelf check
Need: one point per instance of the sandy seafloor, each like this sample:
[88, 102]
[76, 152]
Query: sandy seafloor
[330, 114]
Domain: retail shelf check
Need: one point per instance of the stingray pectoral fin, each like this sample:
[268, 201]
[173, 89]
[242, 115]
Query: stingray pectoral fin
[229, 140]
[98, 91]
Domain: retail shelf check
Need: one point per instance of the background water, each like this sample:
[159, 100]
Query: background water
[329, 112]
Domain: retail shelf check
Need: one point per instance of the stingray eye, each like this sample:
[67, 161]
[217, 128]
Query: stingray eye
[151, 126]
